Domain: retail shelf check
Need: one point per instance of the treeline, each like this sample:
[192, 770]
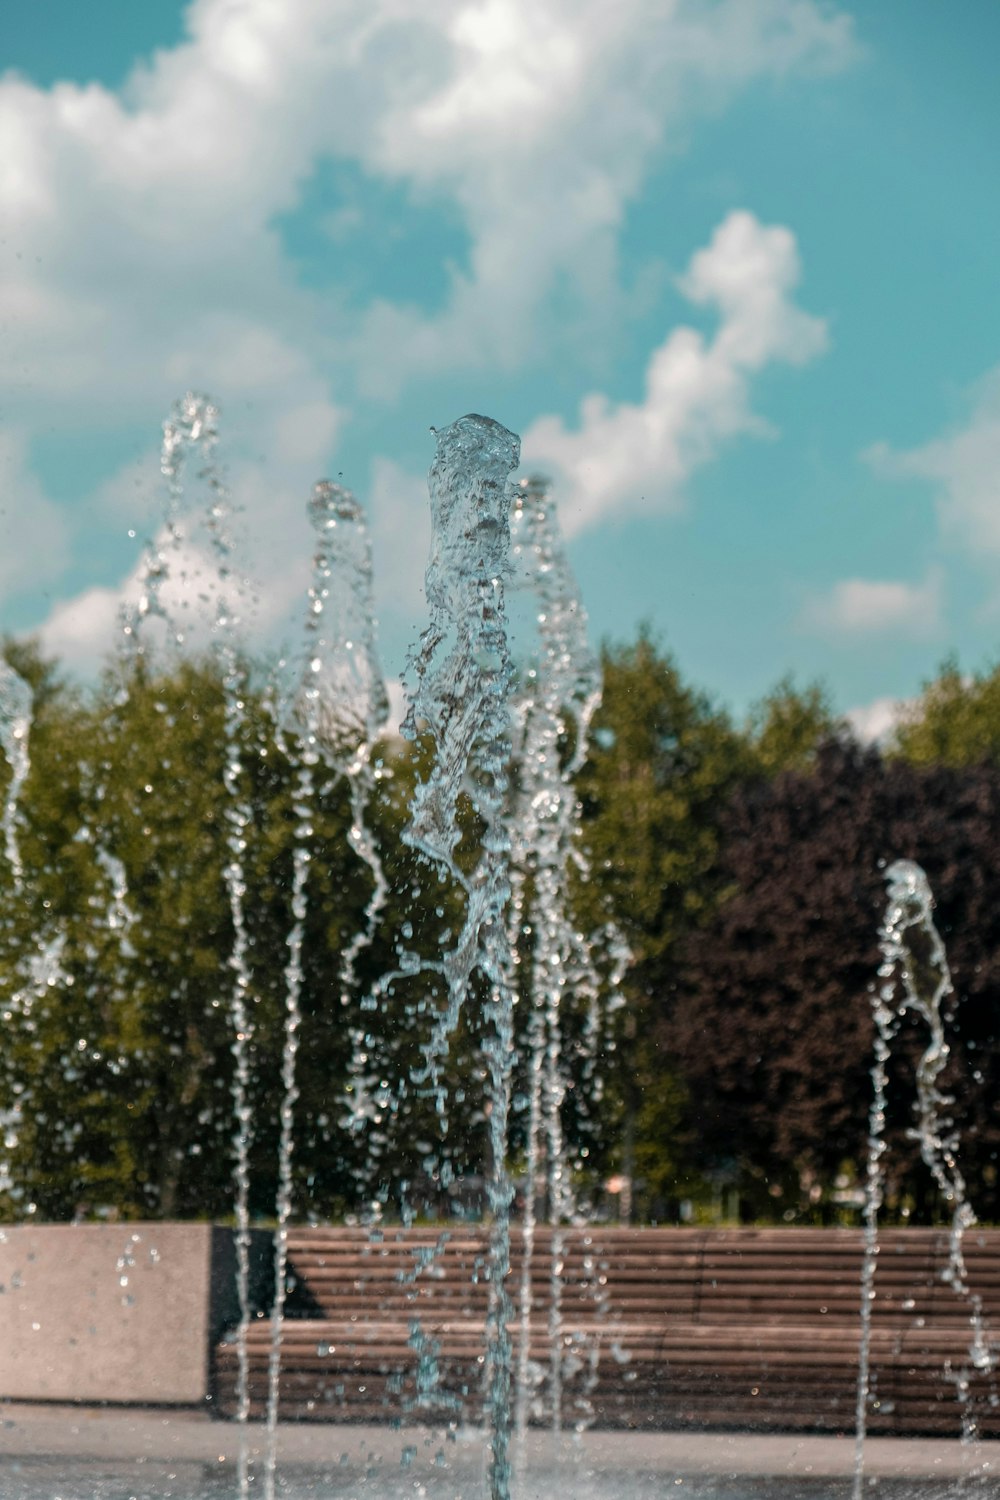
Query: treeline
[743, 863]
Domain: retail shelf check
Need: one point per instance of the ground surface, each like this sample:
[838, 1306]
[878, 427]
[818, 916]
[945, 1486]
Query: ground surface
[86, 1453]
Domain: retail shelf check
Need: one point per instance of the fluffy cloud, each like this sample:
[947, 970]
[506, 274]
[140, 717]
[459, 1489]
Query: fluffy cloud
[542, 128]
[82, 631]
[875, 723]
[141, 255]
[86, 629]
[628, 458]
[963, 466]
[866, 606]
[144, 219]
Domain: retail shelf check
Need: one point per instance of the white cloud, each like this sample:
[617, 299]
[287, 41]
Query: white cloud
[876, 723]
[867, 606]
[143, 220]
[543, 130]
[306, 433]
[628, 458]
[141, 256]
[266, 589]
[964, 468]
[81, 631]
[84, 630]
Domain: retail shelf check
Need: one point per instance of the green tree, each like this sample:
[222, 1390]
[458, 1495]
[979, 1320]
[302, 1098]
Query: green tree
[118, 1041]
[664, 765]
[955, 721]
[663, 761]
[118, 1035]
[785, 729]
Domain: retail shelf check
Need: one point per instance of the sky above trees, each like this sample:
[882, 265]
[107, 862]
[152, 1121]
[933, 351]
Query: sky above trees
[727, 265]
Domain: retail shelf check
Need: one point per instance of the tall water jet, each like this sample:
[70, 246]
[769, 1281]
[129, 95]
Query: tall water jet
[346, 707]
[189, 432]
[303, 806]
[41, 969]
[335, 713]
[15, 727]
[190, 440]
[200, 431]
[555, 706]
[462, 673]
[916, 980]
[886, 1022]
[119, 917]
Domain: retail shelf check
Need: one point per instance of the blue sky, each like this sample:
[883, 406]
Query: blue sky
[727, 265]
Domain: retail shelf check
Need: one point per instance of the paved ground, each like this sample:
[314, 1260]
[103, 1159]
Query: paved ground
[124, 1435]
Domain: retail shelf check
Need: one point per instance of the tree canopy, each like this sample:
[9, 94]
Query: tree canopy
[664, 764]
[770, 1019]
[741, 862]
[955, 721]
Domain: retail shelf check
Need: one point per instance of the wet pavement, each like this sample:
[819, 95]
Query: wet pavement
[92, 1453]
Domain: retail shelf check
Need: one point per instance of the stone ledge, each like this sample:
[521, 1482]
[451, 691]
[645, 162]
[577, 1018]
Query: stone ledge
[118, 1312]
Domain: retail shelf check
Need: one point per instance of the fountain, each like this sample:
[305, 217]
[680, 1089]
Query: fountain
[337, 710]
[915, 978]
[492, 828]
[554, 712]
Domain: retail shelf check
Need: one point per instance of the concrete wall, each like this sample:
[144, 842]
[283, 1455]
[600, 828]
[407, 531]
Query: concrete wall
[116, 1312]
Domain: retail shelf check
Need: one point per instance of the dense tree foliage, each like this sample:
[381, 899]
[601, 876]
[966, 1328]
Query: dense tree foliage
[954, 722]
[117, 1059]
[741, 863]
[664, 764]
[770, 1020]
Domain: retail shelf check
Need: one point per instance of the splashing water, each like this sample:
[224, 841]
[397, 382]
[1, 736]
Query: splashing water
[556, 705]
[190, 438]
[119, 917]
[342, 709]
[336, 715]
[570, 686]
[463, 680]
[15, 727]
[886, 1022]
[342, 692]
[43, 967]
[238, 819]
[461, 707]
[42, 971]
[191, 430]
[916, 979]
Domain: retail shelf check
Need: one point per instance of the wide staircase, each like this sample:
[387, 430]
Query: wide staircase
[642, 1328]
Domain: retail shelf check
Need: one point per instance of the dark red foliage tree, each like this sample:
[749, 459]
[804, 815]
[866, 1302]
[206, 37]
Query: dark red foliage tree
[769, 1024]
